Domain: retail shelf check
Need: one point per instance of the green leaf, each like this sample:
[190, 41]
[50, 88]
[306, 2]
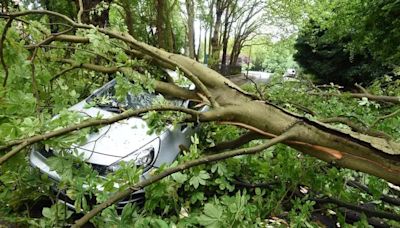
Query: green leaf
[220, 167]
[195, 181]
[212, 216]
[197, 196]
[179, 177]
[46, 212]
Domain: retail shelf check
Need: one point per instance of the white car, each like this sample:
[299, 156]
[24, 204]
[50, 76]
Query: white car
[125, 140]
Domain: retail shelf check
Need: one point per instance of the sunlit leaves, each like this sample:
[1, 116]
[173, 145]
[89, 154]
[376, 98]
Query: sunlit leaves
[55, 215]
[212, 216]
[179, 177]
[301, 212]
[98, 41]
[199, 179]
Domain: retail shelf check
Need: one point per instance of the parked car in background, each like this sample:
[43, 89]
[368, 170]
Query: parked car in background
[125, 140]
[291, 73]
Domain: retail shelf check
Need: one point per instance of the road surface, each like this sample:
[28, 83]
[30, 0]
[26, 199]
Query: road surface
[253, 76]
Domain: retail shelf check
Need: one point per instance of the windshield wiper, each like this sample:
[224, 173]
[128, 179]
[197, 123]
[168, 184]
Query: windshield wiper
[110, 107]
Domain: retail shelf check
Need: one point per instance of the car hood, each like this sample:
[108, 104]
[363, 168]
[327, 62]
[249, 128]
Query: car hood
[113, 142]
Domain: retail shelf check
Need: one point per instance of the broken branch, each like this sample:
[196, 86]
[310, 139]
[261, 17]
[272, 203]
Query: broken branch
[203, 160]
[228, 145]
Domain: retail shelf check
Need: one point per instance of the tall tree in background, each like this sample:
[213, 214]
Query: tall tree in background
[220, 7]
[62, 6]
[246, 24]
[139, 17]
[164, 27]
[358, 42]
[229, 15]
[190, 10]
[232, 17]
[211, 24]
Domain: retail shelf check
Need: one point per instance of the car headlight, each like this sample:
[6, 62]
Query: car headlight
[142, 157]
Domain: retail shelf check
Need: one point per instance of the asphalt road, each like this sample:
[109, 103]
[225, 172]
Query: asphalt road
[252, 76]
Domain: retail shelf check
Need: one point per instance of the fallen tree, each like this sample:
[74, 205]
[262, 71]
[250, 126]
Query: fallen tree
[230, 105]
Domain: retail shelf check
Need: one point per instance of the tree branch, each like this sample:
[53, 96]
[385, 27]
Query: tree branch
[55, 77]
[386, 116]
[255, 185]
[384, 197]
[365, 210]
[203, 160]
[3, 37]
[67, 38]
[229, 145]
[94, 67]
[362, 89]
[157, 54]
[44, 12]
[80, 12]
[162, 87]
[151, 51]
[23, 143]
[256, 86]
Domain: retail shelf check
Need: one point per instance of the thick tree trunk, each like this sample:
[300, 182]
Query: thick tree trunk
[170, 44]
[215, 41]
[197, 53]
[211, 24]
[205, 46]
[160, 7]
[190, 27]
[225, 38]
[234, 53]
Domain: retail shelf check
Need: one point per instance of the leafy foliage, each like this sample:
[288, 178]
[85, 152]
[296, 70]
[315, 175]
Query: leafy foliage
[330, 62]
[353, 42]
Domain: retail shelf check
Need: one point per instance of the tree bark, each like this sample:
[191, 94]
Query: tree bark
[205, 45]
[197, 53]
[190, 27]
[160, 7]
[211, 14]
[215, 41]
[225, 38]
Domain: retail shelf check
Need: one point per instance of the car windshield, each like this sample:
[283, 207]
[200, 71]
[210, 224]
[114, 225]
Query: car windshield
[107, 100]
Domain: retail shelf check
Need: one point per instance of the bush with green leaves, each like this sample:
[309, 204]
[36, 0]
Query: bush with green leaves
[347, 42]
